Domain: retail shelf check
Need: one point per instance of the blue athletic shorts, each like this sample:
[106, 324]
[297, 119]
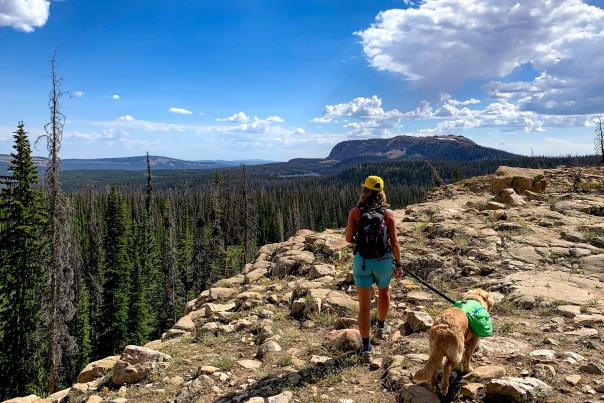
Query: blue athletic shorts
[378, 271]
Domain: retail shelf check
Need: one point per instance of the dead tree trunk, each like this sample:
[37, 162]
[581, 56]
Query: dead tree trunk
[61, 275]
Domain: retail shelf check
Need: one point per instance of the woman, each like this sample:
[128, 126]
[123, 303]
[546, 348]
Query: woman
[372, 229]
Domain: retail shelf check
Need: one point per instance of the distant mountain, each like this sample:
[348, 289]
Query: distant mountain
[138, 163]
[455, 148]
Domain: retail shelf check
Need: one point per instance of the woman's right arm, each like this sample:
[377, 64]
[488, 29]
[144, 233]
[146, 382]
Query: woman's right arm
[351, 228]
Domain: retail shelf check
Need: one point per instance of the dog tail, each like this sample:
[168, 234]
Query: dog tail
[439, 336]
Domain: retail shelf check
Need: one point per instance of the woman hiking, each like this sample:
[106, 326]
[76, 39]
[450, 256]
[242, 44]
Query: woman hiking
[372, 229]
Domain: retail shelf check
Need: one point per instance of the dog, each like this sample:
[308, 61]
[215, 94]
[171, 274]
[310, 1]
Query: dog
[451, 337]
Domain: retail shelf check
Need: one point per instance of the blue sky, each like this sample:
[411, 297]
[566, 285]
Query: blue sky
[282, 79]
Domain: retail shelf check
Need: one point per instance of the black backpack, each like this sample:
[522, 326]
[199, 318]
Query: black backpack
[372, 234]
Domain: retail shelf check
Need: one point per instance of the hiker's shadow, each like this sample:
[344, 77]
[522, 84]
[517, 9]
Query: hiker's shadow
[274, 384]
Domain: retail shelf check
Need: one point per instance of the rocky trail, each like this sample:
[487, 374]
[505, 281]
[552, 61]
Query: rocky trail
[284, 329]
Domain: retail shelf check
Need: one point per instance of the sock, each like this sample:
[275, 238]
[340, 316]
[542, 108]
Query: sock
[381, 324]
[365, 343]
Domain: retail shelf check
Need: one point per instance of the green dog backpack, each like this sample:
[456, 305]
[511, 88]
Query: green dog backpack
[479, 319]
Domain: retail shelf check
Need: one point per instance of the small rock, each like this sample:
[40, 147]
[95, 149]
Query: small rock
[593, 368]
[284, 397]
[544, 371]
[207, 369]
[345, 323]
[543, 356]
[249, 364]
[94, 399]
[270, 346]
[122, 391]
[255, 400]
[418, 394]
[573, 379]
[472, 390]
[518, 389]
[321, 360]
[375, 364]
[485, 373]
[418, 321]
[600, 388]
[344, 339]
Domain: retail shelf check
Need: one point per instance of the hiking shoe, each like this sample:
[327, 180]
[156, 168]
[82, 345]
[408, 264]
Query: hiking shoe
[367, 354]
[380, 332]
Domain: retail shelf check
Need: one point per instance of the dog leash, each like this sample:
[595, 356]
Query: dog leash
[429, 286]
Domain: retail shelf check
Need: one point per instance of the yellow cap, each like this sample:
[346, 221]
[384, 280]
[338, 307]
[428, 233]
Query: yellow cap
[374, 183]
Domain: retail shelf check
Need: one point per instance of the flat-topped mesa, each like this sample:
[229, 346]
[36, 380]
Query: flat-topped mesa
[519, 179]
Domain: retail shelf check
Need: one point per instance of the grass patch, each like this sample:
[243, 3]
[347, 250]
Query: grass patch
[505, 307]
[224, 362]
[461, 240]
[588, 306]
[285, 361]
[505, 327]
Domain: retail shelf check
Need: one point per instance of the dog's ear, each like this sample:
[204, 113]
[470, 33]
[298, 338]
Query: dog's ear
[488, 299]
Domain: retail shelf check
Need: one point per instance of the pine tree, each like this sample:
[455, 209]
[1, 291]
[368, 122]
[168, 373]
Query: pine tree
[83, 335]
[599, 140]
[216, 247]
[114, 311]
[22, 276]
[172, 286]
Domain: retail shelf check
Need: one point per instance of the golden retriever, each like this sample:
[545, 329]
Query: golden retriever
[451, 337]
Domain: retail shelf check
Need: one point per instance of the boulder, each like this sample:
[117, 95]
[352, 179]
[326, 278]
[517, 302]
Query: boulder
[321, 270]
[249, 364]
[97, 369]
[221, 293]
[187, 322]
[518, 389]
[472, 390]
[519, 179]
[593, 263]
[136, 363]
[493, 205]
[344, 340]
[509, 198]
[418, 321]
[340, 303]
[172, 334]
[345, 323]
[256, 274]
[211, 308]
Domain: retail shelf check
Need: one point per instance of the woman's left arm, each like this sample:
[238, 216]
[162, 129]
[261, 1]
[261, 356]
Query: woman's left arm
[396, 248]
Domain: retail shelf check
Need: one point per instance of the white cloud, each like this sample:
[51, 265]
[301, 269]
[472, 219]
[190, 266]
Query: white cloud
[453, 41]
[300, 131]
[24, 15]
[126, 118]
[367, 115]
[180, 111]
[502, 114]
[239, 117]
[78, 93]
[115, 97]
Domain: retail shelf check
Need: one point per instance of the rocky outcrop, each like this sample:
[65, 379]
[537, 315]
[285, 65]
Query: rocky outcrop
[136, 363]
[518, 179]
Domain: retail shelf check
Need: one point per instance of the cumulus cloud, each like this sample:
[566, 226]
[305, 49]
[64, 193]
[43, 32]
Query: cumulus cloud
[115, 97]
[126, 118]
[362, 116]
[24, 15]
[239, 117]
[507, 116]
[78, 93]
[458, 40]
[180, 111]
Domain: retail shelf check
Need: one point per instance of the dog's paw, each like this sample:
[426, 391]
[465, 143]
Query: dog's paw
[444, 389]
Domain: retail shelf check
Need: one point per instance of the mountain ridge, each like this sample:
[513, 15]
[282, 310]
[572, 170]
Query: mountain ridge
[444, 147]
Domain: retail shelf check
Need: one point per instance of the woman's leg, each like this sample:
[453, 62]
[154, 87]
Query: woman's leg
[383, 303]
[364, 295]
